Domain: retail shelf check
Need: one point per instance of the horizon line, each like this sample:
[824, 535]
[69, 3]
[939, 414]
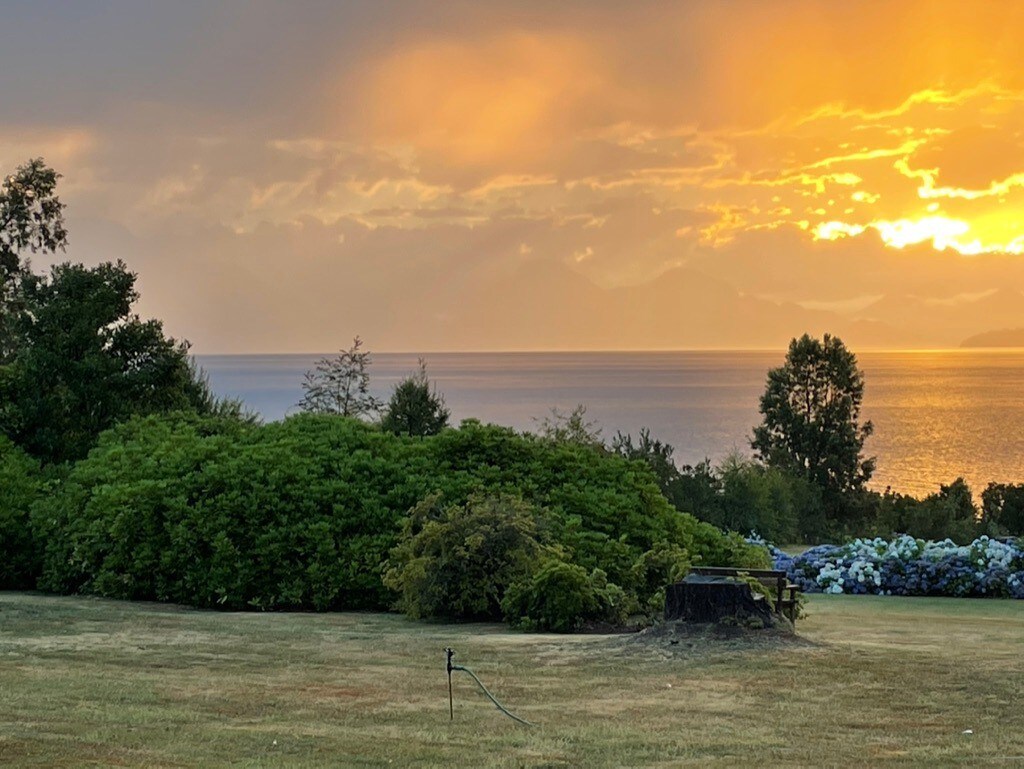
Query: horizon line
[607, 351]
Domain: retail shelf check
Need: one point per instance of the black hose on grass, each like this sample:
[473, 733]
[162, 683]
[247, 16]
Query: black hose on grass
[498, 705]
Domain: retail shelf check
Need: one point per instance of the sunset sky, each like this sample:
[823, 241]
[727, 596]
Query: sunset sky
[535, 175]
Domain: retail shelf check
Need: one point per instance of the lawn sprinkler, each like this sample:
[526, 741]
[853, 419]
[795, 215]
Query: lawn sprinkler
[449, 653]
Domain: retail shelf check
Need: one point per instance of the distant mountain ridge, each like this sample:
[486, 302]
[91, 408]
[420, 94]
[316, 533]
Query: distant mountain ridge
[1007, 337]
[945, 321]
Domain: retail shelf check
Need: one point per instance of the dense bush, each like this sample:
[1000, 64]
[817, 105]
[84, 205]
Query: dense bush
[303, 513]
[209, 512]
[457, 561]
[737, 494]
[500, 557]
[494, 558]
[757, 498]
[1002, 509]
[20, 486]
[562, 597]
[662, 565]
[907, 566]
[605, 511]
[949, 513]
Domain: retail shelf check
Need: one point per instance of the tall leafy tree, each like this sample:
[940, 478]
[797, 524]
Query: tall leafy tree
[811, 410]
[86, 361]
[415, 407]
[341, 385]
[1002, 510]
[31, 221]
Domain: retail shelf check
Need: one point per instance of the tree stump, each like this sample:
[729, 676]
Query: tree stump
[714, 599]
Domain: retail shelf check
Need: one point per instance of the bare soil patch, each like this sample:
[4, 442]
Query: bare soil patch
[687, 639]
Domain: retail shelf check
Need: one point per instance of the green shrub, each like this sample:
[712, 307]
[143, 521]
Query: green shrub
[415, 407]
[713, 548]
[303, 513]
[653, 571]
[561, 597]
[1002, 509]
[20, 486]
[457, 561]
[114, 525]
[949, 513]
[291, 515]
[606, 510]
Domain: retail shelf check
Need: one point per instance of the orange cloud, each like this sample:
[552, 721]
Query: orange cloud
[480, 101]
[617, 144]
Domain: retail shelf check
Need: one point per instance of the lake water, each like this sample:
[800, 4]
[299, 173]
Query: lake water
[937, 415]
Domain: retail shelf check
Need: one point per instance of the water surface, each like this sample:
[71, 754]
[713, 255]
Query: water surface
[937, 415]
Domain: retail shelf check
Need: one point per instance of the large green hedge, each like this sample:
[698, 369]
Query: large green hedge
[20, 487]
[303, 513]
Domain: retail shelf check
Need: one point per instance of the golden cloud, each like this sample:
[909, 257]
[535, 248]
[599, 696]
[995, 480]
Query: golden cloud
[480, 101]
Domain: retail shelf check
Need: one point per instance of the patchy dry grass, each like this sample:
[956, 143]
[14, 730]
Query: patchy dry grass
[875, 682]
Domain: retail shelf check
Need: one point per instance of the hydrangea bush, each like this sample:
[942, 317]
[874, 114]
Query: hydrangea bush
[987, 567]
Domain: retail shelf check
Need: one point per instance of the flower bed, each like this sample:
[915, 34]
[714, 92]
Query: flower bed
[906, 566]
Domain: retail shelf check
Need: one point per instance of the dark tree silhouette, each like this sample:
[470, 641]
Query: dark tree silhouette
[341, 385]
[31, 221]
[86, 362]
[415, 407]
[811, 408]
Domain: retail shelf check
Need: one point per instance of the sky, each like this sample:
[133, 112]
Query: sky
[533, 175]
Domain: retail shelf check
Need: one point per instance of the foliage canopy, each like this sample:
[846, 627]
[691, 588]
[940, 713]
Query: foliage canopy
[21, 484]
[304, 513]
[31, 220]
[415, 408]
[86, 361]
[811, 416]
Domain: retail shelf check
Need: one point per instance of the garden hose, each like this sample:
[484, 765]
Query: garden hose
[451, 707]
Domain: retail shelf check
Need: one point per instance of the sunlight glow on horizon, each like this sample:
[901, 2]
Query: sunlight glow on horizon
[727, 174]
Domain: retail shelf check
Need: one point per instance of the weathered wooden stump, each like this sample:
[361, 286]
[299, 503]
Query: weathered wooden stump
[714, 599]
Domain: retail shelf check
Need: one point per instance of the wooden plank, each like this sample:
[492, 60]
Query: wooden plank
[731, 572]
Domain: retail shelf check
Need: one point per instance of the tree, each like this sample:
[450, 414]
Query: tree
[86, 361]
[811, 408]
[1002, 509]
[21, 484]
[415, 408]
[570, 428]
[698, 490]
[737, 495]
[340, 385]
[950, 512]
[655, 453]
[31, 219]
[755, 498]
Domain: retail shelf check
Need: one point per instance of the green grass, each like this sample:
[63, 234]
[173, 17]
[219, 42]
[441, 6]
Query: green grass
[879, 682]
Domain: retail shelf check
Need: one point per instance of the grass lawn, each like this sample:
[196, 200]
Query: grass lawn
[878, 682]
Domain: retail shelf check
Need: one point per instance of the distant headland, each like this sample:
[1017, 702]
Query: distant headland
[1007, 337]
